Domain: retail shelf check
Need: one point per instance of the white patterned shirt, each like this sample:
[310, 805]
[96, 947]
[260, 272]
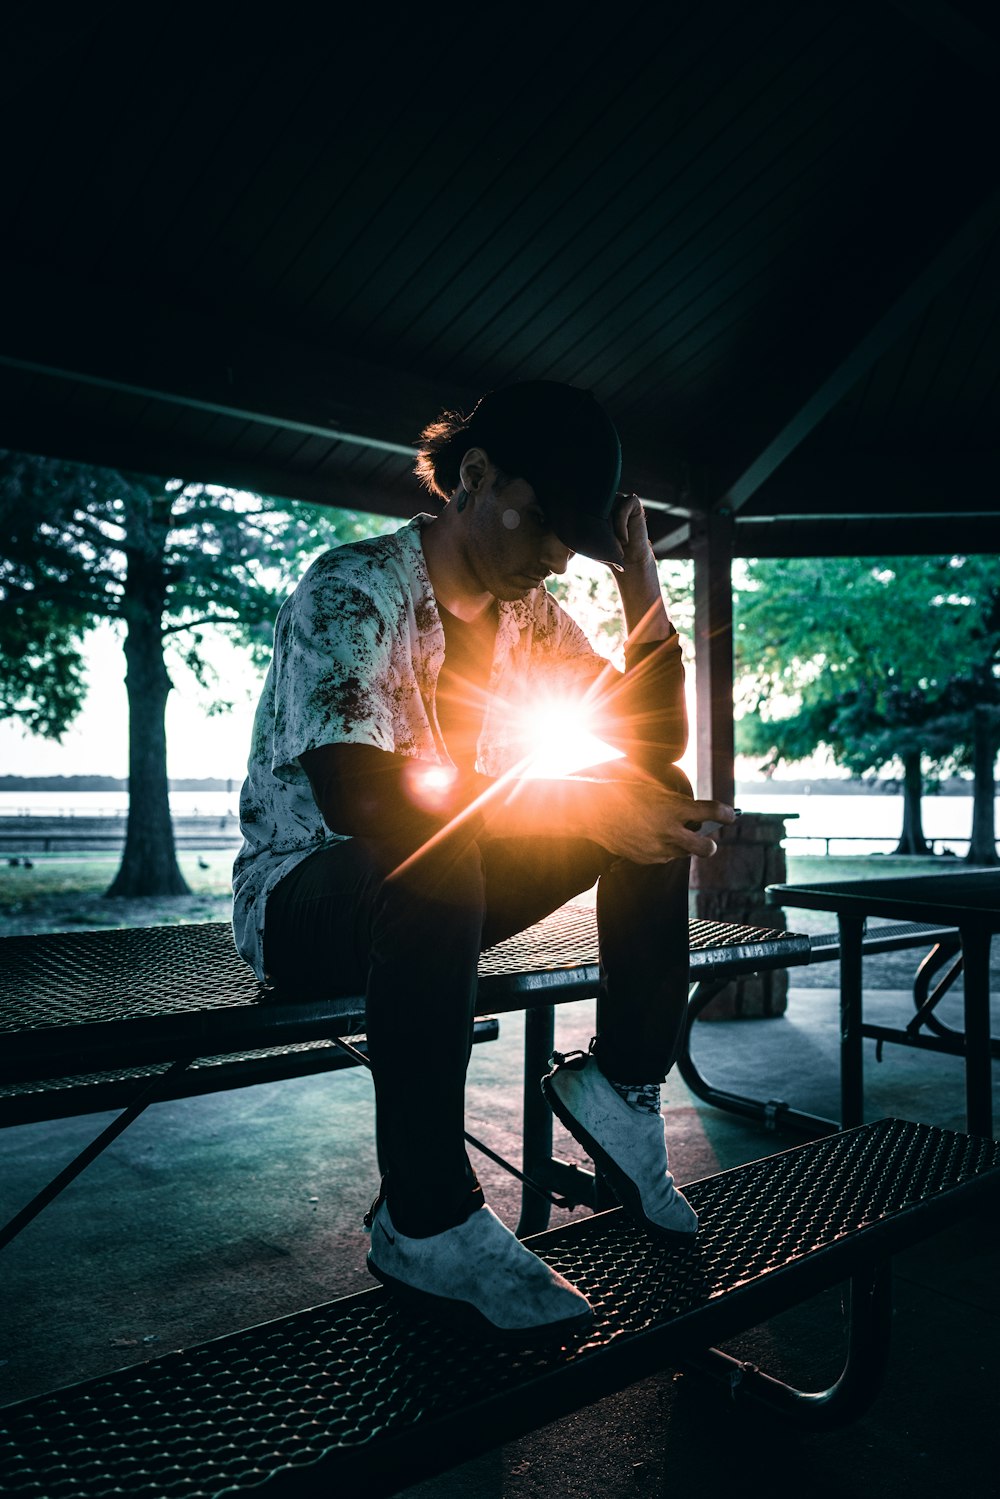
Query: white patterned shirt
[358, 648]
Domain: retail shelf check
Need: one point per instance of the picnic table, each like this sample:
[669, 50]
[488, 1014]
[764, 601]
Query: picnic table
[131, 1016]
[967, 902]
[359, 1394]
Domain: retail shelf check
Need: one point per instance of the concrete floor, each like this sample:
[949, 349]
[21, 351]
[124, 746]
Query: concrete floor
[215, 1213]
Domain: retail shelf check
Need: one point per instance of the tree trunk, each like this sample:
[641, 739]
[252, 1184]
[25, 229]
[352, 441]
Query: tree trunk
[983, 847]
[149, 863]
[911, 840]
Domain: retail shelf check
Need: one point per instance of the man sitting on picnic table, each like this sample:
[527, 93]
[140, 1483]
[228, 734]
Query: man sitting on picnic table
[391, 831]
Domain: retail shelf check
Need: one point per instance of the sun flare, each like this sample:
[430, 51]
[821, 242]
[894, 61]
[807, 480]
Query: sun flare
[560, 740]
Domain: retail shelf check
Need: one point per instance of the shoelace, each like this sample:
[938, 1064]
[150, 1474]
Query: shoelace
[574, 1059]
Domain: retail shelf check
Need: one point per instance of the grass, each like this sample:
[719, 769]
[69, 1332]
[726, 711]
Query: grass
[804, 868]
[65, 891]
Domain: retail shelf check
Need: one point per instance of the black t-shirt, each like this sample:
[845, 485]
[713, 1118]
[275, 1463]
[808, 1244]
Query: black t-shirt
[462, 685]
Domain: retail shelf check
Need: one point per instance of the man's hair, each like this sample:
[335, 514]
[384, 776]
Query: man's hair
[443, 445]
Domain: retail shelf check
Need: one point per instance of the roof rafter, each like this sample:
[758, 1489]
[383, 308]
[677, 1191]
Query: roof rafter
[945, 24]
[944, 263]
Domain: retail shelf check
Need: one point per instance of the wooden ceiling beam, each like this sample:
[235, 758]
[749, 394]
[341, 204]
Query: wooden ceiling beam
[946, 26]
[919, 536]
[91, 441]
[818, 483]
[128, 342]
[977, 232]
[178, 357]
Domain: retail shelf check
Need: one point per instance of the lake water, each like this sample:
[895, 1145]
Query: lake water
[873, 820]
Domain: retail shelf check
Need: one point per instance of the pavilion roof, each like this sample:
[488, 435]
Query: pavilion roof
[765, 235]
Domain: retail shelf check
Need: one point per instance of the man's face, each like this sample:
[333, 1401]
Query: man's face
[511, 548]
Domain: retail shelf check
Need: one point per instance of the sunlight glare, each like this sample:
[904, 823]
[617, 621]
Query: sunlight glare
[560, 741]
[429, 785]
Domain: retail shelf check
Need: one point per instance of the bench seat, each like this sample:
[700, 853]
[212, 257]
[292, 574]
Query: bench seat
[128, 1018]
[73, 1002]
[93, 1092]
[363, 1396]
[893, 936]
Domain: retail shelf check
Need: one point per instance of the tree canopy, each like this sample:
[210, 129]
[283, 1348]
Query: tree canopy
[884, 662]
[166, 559]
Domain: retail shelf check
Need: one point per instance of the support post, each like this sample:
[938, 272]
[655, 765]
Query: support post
[712, 549]
[731, 886]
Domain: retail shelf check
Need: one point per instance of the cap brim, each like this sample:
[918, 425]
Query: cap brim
[588, 535]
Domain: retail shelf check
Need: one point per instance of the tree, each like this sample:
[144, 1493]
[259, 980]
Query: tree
[883, 662]
[164, 558]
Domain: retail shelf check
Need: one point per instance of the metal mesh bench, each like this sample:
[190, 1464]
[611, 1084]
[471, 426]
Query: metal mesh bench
[134, 1016]
[362, 1396]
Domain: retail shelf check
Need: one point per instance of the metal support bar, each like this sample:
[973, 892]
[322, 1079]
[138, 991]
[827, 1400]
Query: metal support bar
[536, 1149]
[578, 1186]
[575, 1183]
[926, 1002]
[528, 1185]
[978, 1059]
[949, 1046]
[773, 1113]
[852, 1064]
[93, 1150]
[850, 1395]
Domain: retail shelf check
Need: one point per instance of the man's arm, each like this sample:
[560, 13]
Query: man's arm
[407, 804]
[638, 581]
[643, 711]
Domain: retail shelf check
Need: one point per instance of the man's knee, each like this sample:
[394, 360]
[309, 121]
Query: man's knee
[674, 779]
[448, 878]
[664, 773]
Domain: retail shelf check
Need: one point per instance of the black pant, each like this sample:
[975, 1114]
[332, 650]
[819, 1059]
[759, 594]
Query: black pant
[411, 944]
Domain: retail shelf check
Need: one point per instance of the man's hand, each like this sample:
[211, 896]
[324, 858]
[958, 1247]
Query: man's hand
[648, 824]
[638, 581]
[629, 521]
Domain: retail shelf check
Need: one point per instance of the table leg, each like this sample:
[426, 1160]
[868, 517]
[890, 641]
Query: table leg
[852, 1078]
[539, 1039]
[978, 1051]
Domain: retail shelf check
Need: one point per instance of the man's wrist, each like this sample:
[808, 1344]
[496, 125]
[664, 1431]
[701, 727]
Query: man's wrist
[642, 602]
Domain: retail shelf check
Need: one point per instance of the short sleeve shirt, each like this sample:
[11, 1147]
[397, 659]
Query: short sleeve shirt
[358, 648]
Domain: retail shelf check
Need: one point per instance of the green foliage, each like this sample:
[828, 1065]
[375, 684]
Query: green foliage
[41, 673]
[872, 659]
[81, 544]
[589, 593]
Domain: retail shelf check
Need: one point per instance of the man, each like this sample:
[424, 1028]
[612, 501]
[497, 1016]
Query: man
[391, 832]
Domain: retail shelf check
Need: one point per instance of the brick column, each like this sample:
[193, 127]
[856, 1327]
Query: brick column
[730, 887]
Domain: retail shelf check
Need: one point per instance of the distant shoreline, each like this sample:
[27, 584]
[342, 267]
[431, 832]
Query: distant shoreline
[830, 786]
[110, 783]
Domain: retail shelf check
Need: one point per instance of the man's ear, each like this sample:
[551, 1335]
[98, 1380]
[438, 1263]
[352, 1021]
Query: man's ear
[476, 469]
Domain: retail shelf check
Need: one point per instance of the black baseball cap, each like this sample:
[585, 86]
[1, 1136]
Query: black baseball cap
[563, 443]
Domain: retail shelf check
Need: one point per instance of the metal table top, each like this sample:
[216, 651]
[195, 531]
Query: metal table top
[957, 899]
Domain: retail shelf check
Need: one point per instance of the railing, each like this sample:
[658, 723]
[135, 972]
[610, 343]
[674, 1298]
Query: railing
[212, 830]
[943, 845]
[49, 843]
[81, 832]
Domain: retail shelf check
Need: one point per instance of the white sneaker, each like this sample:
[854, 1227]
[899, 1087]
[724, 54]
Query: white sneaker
[628, 1145]
[477, 1274]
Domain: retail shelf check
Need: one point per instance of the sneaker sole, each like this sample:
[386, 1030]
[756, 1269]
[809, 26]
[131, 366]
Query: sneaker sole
[466, 1318]
[623, 1186]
